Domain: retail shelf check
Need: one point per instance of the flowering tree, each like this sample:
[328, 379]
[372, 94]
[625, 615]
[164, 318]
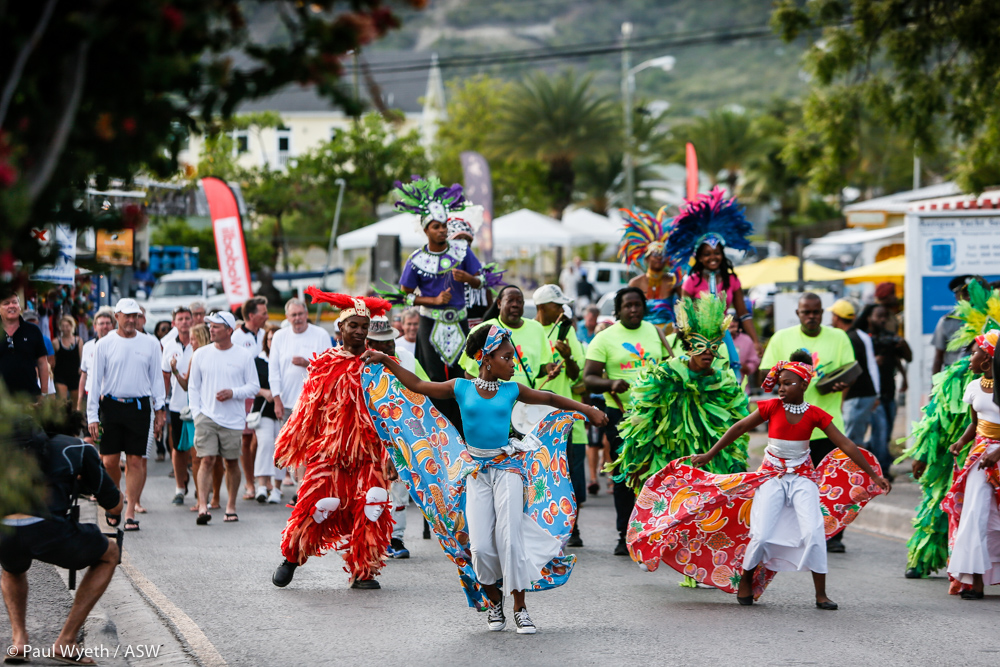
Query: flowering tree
[95, 90]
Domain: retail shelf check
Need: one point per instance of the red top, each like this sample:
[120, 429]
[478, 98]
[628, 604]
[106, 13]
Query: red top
[773, 412]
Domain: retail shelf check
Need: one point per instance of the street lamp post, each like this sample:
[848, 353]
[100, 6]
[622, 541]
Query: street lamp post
[665, 63]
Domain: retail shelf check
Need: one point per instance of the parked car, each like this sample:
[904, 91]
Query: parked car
[608, 277]
[180, 288]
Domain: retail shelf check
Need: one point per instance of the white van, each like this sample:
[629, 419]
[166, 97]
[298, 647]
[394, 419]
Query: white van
[608, 277]
[180, 288]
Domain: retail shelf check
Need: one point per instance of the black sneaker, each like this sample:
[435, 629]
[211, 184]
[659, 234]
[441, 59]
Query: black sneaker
[366, 584]
[283, 575]
[495, 617]
[835, 547]
[178, 499]
[523, 622]
[397, 549]
[575, 540]
[913, 573]
[622, 548]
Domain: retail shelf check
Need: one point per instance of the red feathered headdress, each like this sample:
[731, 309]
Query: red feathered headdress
[350, 306]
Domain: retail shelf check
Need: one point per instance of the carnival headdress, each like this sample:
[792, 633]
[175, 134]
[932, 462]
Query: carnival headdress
[350, 306]
[702, 323]
[643, 235]
[429, 199]
[710, 219]
[980, 314]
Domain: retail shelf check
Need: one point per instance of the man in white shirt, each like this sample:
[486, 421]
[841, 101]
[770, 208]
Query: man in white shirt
[411, 324]
[176, 361]
[250, 336]
[104, 322]
[197, 309]
[292, 348]
[222, 377]
[128, 386]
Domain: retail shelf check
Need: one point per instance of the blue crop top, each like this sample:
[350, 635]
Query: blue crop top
[486, 421]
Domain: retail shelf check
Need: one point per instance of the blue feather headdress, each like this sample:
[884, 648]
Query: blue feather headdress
[709, 219]
[643, 235]
[429, 199]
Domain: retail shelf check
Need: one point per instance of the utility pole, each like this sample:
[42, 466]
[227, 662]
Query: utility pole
[627, 102]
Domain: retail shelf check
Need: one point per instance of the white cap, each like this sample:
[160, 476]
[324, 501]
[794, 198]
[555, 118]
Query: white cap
[222, 317]
[127, 307]
[550, 294]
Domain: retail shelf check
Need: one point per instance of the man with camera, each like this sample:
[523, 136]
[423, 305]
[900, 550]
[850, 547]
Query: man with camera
[53, 534]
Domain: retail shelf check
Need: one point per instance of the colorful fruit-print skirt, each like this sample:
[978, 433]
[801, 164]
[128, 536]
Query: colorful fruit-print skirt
[699, 523]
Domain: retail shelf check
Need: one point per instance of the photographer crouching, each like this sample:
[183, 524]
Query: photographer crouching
[51, 533]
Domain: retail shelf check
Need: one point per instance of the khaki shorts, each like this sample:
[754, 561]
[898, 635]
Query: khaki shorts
[210, 439]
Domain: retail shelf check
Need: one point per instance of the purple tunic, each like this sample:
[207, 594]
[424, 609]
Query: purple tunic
[431, 272]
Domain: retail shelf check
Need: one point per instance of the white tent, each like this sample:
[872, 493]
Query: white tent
[599, 228]
[405, 225]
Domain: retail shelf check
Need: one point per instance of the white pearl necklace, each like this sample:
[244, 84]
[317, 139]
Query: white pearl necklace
[799, 409]
[487, 385]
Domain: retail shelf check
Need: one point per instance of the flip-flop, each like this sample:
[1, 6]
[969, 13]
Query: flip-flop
[140, 510]
[81, 659]
[16, 658]
[230, 517]
[203, 519]
[131, 525]
[114, 520]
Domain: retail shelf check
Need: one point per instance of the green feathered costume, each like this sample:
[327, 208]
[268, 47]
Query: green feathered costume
[676, 412]
[944, 420]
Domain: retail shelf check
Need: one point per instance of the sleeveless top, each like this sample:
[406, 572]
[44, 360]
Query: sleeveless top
[486, 421]
[68, 360]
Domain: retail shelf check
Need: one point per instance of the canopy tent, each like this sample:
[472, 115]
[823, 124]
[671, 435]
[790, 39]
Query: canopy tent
[601, 229]
[527, 228]
[783, 270]
[888, 270]
[405, 225]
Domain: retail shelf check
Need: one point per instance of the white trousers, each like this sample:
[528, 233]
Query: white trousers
[267, 433]
[399, 497]
[786, 527]
[977, 540]
[505, 543]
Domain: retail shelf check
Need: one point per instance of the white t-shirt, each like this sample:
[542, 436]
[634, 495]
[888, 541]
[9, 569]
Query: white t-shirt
[866, 340]
[982, 402]
[126, 368]
[248, 341]
[170, 337]
[87, 361]
[286, 379]
[213, 370]
[174, 350]
[403, 344]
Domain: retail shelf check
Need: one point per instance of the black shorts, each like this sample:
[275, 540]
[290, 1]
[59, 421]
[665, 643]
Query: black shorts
[125, 426]
[73, 546]
[175, 428]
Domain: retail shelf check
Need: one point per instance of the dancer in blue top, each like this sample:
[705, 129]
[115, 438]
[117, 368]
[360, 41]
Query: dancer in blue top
[506, 544]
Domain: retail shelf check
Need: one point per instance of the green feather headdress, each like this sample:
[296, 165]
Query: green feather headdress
[981, 313]
[702, 323]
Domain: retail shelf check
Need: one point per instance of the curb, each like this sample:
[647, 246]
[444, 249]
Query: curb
[885, 519]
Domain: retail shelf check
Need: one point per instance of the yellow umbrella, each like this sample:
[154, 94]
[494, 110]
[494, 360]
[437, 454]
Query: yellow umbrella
[888, 270]
[783, 270]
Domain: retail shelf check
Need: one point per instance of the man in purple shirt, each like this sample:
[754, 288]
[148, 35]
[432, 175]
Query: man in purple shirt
[440, 271]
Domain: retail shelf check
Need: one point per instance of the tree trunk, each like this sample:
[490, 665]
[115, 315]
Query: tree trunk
[560, 181]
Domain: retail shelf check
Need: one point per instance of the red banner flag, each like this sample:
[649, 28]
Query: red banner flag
[229, 244]
[691, 162]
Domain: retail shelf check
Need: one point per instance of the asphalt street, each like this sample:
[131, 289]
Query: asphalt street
[213, 584]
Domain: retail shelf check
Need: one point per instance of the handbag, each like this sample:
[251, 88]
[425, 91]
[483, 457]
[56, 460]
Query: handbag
[253, 420]
[186, 414]
[187, 437]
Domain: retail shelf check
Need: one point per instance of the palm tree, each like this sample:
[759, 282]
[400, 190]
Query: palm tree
[556, 120]
[725, 141]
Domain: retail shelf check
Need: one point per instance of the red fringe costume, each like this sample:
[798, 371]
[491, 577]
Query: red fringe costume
[331, 433]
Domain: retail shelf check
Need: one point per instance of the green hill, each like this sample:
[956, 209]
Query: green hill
[745, 72]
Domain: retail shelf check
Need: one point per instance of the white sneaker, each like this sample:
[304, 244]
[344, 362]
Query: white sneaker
[523, 623]
[261, 494]
[274, 497]
[495, 618]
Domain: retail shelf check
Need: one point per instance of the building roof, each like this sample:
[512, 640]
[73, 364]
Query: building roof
[402, 91]
[989, 200]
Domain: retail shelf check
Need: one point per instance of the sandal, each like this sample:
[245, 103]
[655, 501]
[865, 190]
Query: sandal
[139, 509]
[131, 525]
[230, 518]
[113, 519]
[14, 657]
[75, 658]
[203, 519]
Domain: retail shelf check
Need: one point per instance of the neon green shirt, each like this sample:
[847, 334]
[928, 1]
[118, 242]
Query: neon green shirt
[830, 350]
[562, 384]
[532, 348]
[624, 352]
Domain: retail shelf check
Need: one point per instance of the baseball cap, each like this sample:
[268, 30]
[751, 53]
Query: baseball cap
[379, 329]
[128, 307]
[222, 317]
[550, 294]
[843, 309]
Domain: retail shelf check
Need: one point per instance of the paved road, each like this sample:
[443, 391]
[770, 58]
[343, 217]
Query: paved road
[609, 613]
